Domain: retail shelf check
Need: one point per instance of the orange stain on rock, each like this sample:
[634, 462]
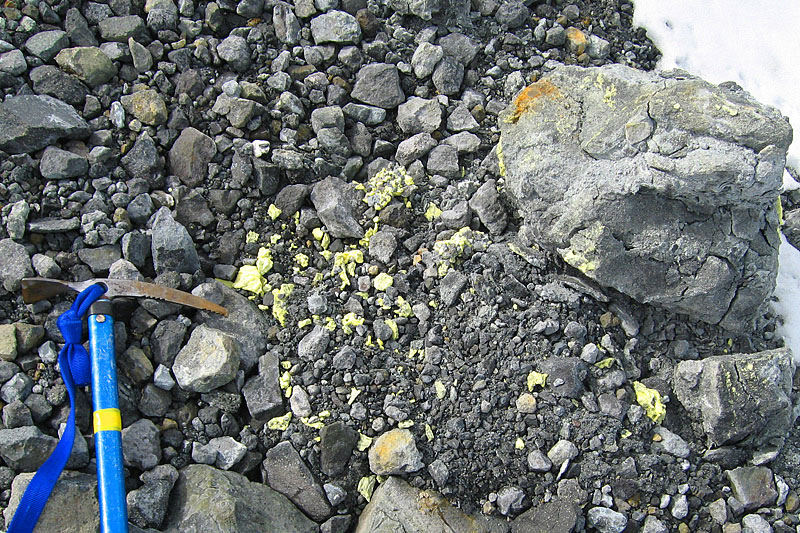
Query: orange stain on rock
[530, 97]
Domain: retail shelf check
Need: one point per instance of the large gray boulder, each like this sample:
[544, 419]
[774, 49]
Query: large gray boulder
[31, 123]
[739, 398]
[661, 186]
[72, 506]
[208, 500]
[172, 246]
[397, 506]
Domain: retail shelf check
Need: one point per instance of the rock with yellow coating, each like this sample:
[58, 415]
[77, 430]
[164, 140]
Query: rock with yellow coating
[395, 452]
[661, 186]
[739, 398]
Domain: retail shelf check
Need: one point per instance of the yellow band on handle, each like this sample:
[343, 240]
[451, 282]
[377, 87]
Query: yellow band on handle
[107, 420]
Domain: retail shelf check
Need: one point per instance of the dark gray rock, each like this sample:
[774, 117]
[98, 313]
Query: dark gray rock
[287, 27]
[100, 259]
[235, 51]
[190, 155]
[753, 486]
[378, 84]
[54, 225]
[486, 204]
[556, 516]
[513, 14]
[448, 75]
[46, 44]
[31, 123]
[284, 471]
[738, 398]
[460, 47]
[73, 502]
[369, 115]
[443, 160]
[77, 29]
[172, 248]
[414, 148]
[16, 264]
[565, 375]
[24, 449]
[143, 160]
[333, 200]
[58, 164]
[688, 162]
[89, 63]
[147, 505]
[451, 286]
[337, 441]
[230, 503]
[120, 29]
[313, 344]
[141, 447]
[136, 248]
[52, 81]
[262, 392]
[13, 63]
[209, 360]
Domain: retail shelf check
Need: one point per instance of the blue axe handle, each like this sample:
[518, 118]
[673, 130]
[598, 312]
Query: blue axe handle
[107, 420]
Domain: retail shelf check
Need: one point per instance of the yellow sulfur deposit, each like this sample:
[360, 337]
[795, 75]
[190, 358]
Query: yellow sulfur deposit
[280, 423]
[249, 279]
[536, 379]
[366, 486]
[428, 432]
[364, 442]
[252, 237]
[382, 281]
[345, 263]
[605, 363]
[432, 212]
[385, 185]
[273, 211]
[350, 321]
[650, 400]
[279, 306]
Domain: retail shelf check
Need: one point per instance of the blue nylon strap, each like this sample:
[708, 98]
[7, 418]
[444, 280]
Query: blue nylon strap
[73, 360]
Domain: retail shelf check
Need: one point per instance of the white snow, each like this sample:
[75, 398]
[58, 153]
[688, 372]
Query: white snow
[757, 45]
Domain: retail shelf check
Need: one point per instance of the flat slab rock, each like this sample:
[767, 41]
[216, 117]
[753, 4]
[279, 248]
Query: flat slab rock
[659, 185]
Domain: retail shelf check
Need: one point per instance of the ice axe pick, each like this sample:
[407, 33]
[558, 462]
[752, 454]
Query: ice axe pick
[105, 401]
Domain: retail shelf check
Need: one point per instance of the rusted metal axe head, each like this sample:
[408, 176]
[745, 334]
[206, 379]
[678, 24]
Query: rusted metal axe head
[35, 289]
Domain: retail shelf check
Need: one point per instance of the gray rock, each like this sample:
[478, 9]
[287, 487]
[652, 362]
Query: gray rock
[100, 259]
[369, 115]
[57, 164]
[378, 84]
[556, 516]
[209, 360]
[335, 27]
[287, 159]
[262, 392]
[143, 160]
[51, 81]
[565, 375]
[671, 443]
[461, 120]
[333, 200]
[561, 452]
[17, 218]
[605, 520]
[451, 287]
[327, 117]
[425, 58]
[654, 525]
[459, 47]
[443, 160]
[13, 63]
[486, 204]
[680, 507]
[334, 141]
[73, 502]
[513, 14]
[88, 63]
[284, 471]
[395, 452]
[120, 29]
[598, 48]
[738, 398]
[345, 359]
[419, 115]
[337, 442]
[753, 486]
[313, 344]
[299, 402]
[291, 198]
[235, 51]
[448, 75]
[141, 56]
[439, 472]
[510, 499]
[146, 105]
[190, 155]
[539, 462]
[147, 505]
[16, 388]
[464, 143]
[24, 449]
[424, 9]
[16, 264]
[141, 447]
[46, 44]
[245, 322]
[382, 246]
[754, 523]
[172, 247]
[287, 27]
[664, 163]
[31, 123]
[230, 503]
[414, 148]
[228, 452]
[79, 457]
[396, 503]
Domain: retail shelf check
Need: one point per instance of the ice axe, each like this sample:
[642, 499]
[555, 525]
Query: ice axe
[101, 371]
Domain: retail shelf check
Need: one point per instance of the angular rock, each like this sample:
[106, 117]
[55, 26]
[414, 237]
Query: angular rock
[313, 344]
[46, 44]
[425, 58]
[209, 360]
[337, 441]
[414, 148]
[556, 516]
[100, 259]
[443, 160]
[16, 264]
[172, 247]
[333, 200]
[605, 520]
[205, 499]
[143, 160]
[671, 443]
[395, 452]
[689, 223]
[31, 123]
[235, 51]
[190, 155]
[88, 63]
[418, 114]
[262, 392]
[57, 164]
[13, 63]
[51, 81]
[447, 76]
[141, 447]
[738, 398]
[753, 486]
[451, 287]
[378, 84]
[284, 470]
[24, 449]
[147, 105]
[147, 505]
[399, 506]
[565, 375]
[73, 502]
[335, 27]
[486, 204]
[120, 29]
[287, 27]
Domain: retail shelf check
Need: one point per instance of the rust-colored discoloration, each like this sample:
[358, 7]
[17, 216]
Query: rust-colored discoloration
[388, 442]
[576, 40]
[530, 97]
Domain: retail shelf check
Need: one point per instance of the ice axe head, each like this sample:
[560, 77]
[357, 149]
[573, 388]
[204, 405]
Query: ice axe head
[36, 289]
